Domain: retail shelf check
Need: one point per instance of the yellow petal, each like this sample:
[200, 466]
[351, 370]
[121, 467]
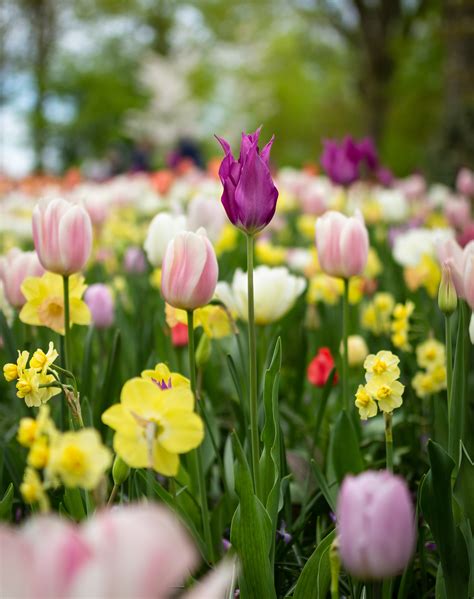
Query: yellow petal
[164, 462]
[132, 449]
[160, 372]
[143, 397]
[32, 288]
[183, 431]
[120, 420]
[178, 398]
[29, 312]
[80, 313]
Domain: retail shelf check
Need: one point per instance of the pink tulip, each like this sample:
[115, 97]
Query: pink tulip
[451, 253]
[14, 268]
[342, 243]
[134, 260]
[465, 182]
[376, 524]
[101, 304]
[190, 270]
[62, 233]
[458, 212]
[469, 280]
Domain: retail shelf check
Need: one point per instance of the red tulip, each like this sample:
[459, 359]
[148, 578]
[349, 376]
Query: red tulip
[320, 368]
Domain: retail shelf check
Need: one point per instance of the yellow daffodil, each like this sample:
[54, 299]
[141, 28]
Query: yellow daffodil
[78, 459]
[11, 371]
[165, 379]
[45, 302]
[430, 353]
[306, 224]
[400, 326]
[382, 367]
[32, 489]
[27, 430]
[30, 387]
[39, 453]
[153, 426]
[388, 394]
[270, 254]
[438, 375]
[374, 266]
[324, 288]
[426, 274]
[376, 314]
[227, 241]
[215, 320]
[365, 404]
[43, 360]
[423, 384]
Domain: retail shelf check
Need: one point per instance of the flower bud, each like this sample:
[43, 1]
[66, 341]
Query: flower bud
[203, 351]
[120, 471]
[342, 243]
[447, 296]
[189, 274]
[101, 304]
[62, 233]
[357, 350]
[376, 525]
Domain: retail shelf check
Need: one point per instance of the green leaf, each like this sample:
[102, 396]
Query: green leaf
[6, 504]
[250, 534]
[73, 503]
[321, 409]
[330, 495]
[110, 378]
[436, 504]
[464, 486]
[86, 371]
[8, 338]
[315, 578]
[346, 456]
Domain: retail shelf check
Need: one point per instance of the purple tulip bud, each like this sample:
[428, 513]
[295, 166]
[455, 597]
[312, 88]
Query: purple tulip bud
[134, 260]
[101, 304]
[249, 197]
[376, 524]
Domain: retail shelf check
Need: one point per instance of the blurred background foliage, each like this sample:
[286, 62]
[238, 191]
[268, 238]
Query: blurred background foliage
[91, 76]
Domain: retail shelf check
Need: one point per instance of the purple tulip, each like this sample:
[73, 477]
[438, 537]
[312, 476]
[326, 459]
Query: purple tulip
[134, 260]
[376, 524]
[249, 197]
[101, 304]
[341, 161]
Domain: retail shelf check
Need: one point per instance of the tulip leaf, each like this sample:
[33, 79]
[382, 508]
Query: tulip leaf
[459, 403]
[87, 361]
[346, 456]
[250, 534]
[315, 578]
[437, 508]
[109, 382]
[8, 339]
[6, 504]
[321, 409]
[328, 494]
[74, 504]
[464, 486]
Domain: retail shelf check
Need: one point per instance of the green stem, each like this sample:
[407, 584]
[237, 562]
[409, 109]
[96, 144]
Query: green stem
[254, 433]
[449, 361]
[345, 344]
[198, 451]
[388, 441]
[67, 331]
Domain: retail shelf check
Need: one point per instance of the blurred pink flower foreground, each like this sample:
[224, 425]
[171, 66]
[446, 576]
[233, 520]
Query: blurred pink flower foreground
[135, 551]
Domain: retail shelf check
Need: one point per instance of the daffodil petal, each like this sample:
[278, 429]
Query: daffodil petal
[183, 432]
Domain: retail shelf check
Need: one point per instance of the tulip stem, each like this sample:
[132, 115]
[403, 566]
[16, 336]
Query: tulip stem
[345, 344]
[197, 459]
[67, 337]
[388, 441]
[449, 361]
[253, 368]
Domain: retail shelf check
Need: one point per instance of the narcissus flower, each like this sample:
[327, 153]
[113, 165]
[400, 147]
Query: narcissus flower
[45, 302]
[78, 459]
[161, 376]
[32, 489]
[388, 395]
[42, 360]
[382, 367]
[365, 403]
[154, 425]
[12, 371]
[430, 353]
[250, 196]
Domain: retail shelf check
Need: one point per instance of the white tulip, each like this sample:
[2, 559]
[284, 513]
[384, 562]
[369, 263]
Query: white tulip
[275, 293]
[161, 231]
[208, 213]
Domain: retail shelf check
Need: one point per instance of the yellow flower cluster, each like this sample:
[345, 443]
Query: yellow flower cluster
[430, 355]
[38, 383]
[155, 421]
[45, 302]
[426, 274]
[400, 326]
[382, 391]
[376, 314]
[270, 254]
[75, 459]
[215, 320]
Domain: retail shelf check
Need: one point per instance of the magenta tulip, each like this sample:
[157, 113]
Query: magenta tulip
[101, 304]
[14, 268]
[190, 270]
[62, 233]
[249, 195]
[376, 525]
[342, 243]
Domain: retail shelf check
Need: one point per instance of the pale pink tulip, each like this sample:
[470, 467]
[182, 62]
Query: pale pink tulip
[465, 182]
[451, 253]
[342, 243]
[457, 212]
[62, 233]
[376, 526]
[190, 270]
[469, 280]
[14, 268]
